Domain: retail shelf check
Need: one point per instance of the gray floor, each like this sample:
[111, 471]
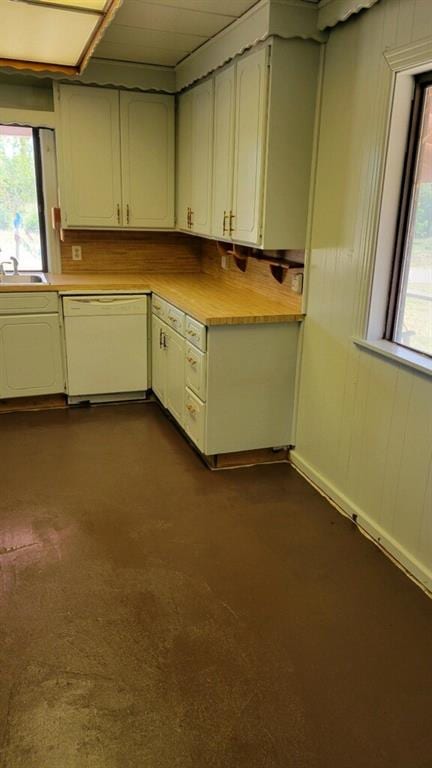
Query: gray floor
[156, 615]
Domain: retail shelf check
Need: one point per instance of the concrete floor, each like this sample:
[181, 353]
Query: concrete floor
[156, 615]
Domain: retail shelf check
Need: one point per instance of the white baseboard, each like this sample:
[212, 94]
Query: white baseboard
[392, 548]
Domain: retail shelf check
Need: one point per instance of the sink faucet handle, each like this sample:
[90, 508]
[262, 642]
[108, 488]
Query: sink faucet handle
[14, 261]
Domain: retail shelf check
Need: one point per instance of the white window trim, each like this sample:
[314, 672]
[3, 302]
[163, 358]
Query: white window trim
[404, 62]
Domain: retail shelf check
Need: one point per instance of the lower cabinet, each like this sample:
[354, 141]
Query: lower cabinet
[231, 387]
[30, 355]
[175, 374]
[159, 359]
[168, 367]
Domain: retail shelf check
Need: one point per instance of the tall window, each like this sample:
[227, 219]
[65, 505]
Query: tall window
[22, 223]
[410, 309]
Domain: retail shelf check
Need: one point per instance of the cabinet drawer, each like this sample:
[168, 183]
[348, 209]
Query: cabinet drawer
[195, 412]
[196, 333]
[175, 318]
[159, 306]
[195, 370]
[17, 303]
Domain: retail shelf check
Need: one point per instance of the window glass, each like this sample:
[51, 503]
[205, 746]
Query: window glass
[413, 322]
[20, 233]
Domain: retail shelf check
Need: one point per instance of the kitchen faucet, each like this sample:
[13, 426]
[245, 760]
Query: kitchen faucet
[14, 261]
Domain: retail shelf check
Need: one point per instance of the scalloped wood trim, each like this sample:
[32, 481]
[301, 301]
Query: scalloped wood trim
[331, 12]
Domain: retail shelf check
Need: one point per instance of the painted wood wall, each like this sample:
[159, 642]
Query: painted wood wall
[364, 430]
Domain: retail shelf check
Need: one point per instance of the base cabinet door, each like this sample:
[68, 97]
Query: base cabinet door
[175, 374]
[30, 356]
[159, 359]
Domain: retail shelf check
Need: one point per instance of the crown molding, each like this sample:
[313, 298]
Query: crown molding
[284, 18]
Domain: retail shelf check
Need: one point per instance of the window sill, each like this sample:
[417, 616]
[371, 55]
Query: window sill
[397, 354]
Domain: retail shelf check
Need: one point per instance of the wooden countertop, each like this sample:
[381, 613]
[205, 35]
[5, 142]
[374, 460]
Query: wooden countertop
[203, 297]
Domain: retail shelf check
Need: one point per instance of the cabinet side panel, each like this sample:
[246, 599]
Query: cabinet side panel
[292, 97]
[250, 389]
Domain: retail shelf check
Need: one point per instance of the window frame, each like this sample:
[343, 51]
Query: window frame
[40, 199]
[421, 83]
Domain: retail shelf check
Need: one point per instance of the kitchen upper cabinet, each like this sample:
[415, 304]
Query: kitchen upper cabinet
[250, 135]
[147, 159]
[30, 355]
[184, 159]
[264, 113]
[89, 167]
[116, 158]
[223, 151]
[195, 152]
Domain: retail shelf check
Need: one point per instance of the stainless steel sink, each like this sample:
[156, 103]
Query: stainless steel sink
[22, 279]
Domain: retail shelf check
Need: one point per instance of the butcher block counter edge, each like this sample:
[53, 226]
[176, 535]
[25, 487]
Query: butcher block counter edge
[203, 297]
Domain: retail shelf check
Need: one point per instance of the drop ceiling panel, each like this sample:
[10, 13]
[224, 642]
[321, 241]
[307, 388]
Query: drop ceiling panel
[136, 53]
[133, 36]
[40, 34]
[165, 31]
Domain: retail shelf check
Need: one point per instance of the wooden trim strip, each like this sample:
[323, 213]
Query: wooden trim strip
[98, 33]
[38, 66]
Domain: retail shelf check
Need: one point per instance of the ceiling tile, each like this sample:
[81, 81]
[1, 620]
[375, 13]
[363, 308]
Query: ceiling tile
[233, 8]
[118, 33]
[135, 13]
[138, 53]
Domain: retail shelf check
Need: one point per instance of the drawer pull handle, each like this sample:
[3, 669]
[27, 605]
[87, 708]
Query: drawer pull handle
[191, 410]
[157, 306]
[191, 360]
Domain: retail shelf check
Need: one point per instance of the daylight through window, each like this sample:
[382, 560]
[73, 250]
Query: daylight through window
[22, 232]
[411, 314]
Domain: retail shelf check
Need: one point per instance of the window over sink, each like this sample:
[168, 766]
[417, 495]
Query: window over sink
[22, 216]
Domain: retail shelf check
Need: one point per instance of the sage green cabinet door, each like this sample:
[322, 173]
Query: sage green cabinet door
[184, 160]
[147, 152]
[223, 152]
[30, 355]
[202, 154]
[159, 359]
[175, 381]
[250, 142]
[89, 168]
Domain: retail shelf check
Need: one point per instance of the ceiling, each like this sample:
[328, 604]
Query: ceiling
[163, 32]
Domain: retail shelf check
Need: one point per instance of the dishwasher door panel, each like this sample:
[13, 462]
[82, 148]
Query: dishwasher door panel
[106, 354]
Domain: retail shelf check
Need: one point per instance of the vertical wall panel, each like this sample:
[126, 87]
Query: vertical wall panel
[364, 423]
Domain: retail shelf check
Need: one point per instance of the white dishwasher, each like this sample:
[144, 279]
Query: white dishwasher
[106, 346]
